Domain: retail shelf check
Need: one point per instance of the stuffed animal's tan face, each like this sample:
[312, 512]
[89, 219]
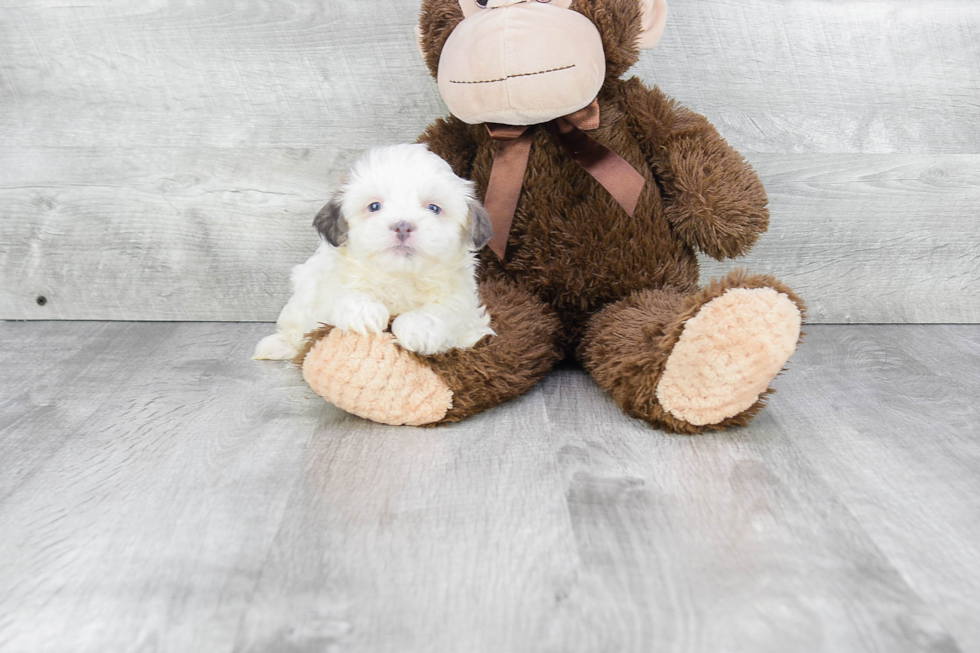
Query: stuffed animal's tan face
[522, 62]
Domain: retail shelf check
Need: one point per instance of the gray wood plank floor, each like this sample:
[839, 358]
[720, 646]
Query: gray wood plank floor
[159, 491]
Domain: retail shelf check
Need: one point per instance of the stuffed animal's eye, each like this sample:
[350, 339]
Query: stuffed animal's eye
[374, 206]
[435, 209]
[482, 3]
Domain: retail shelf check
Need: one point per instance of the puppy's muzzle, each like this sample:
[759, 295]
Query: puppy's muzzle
[403, 229]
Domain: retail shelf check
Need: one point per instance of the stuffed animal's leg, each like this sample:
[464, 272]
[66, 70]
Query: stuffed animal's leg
[372, 377]
[698, 362]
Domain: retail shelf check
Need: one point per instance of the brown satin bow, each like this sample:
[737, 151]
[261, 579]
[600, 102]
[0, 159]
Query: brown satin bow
[612, 171]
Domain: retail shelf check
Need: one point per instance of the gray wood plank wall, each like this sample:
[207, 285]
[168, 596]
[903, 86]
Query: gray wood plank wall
[162, 160]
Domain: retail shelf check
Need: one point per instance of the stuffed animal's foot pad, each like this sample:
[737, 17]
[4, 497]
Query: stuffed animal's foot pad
[728, 353]
[371, 377]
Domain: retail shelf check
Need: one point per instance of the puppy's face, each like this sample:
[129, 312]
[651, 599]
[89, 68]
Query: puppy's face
[402, 206]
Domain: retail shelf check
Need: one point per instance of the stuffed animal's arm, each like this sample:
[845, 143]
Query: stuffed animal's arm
[714, 199]
[452, 139]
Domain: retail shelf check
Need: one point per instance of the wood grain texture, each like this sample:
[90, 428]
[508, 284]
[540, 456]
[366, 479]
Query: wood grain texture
[167, 498]
[210, 234]
[854, 76]
[872, 238]
[913, 412]
[161, 160]
[161, 491]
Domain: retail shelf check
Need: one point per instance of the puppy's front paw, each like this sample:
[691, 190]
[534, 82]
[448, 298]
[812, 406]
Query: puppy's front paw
[423, 333]
[276, 347]
[361, 315]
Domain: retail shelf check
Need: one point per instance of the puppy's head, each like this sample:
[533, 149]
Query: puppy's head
[401, 205]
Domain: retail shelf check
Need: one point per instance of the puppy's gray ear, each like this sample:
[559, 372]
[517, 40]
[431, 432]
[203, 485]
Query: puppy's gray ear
[480, 230]
[330, 222]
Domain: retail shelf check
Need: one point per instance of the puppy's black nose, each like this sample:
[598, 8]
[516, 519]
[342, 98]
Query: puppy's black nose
[404, 229]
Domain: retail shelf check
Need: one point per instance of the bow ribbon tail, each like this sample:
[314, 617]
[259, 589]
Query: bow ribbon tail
[504, 187]
[613, 172]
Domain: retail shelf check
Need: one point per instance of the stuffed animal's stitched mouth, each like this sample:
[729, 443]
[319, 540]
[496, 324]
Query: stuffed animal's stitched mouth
[503, 79]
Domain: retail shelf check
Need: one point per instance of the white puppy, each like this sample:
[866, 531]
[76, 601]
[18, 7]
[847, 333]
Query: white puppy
[400, 240]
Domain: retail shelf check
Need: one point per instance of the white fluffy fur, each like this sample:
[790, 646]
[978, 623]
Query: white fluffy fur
[428, 281]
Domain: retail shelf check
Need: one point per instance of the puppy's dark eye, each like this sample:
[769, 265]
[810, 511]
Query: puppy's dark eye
[435, 209]
[374, 206]
[482, 3]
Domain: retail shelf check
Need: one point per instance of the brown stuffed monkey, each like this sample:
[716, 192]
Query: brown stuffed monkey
[600, 190]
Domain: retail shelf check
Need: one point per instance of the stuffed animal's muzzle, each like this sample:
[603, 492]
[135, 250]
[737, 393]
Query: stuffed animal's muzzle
[521, 63]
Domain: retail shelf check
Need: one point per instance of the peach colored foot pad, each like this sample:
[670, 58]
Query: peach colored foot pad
[728, 353]
[373, 378]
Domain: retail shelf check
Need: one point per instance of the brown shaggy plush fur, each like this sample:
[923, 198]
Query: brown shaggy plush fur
[508, 365]
[498, 368]
[627, 344]
[580, 276]
[311, 339]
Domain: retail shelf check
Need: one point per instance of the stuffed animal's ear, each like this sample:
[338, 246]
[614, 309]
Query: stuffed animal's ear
[330, 221]
[654, 19]
[480, 229]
